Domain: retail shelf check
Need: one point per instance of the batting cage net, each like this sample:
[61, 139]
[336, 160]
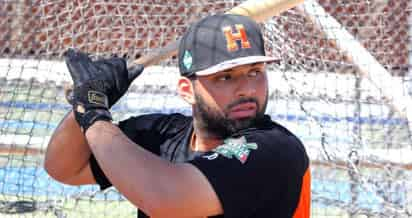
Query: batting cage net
[343, 86]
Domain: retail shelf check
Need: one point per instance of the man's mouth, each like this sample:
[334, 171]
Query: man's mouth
[243, 110]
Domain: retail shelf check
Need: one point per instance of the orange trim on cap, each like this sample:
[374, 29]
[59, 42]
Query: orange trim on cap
[303, 209]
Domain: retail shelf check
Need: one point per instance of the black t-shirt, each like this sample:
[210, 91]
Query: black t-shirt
[256, 173]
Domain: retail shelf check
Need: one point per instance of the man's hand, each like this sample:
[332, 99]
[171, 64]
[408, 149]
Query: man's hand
[97, 85]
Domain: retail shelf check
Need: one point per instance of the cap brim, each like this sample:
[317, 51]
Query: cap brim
[234, 63]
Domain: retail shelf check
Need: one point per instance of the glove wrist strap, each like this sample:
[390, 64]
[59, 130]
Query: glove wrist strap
[93, 115]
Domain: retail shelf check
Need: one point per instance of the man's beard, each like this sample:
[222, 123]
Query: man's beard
[218, 124]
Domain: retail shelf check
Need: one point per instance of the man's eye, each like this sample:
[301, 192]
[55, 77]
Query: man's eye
[253, 73]
[224, 78]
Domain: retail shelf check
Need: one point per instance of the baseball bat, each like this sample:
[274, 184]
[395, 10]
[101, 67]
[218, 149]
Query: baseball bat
[258, 10]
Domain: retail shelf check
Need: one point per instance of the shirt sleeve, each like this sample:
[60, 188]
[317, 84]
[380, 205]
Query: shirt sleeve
[143, 130]
[267, 184]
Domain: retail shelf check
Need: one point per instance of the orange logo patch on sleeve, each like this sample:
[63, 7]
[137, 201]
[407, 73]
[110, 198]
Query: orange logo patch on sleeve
[233, 37]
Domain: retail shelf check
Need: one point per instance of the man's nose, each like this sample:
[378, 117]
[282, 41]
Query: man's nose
[245, 88]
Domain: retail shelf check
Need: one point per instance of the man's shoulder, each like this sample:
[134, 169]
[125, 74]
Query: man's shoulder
[158, 117]
[275, 142]
[269, 131]
[157, 121]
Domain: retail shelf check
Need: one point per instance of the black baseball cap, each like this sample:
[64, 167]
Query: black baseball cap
[220, 42]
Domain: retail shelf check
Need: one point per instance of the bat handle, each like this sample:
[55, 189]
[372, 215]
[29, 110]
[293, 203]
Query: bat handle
[154, 57]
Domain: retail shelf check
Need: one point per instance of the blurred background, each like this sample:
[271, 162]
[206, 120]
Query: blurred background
[343, 86]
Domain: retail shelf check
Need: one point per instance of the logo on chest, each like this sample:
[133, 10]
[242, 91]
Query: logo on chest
[233, 147]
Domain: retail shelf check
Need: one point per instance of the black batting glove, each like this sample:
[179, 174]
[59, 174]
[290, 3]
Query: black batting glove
[97, 85]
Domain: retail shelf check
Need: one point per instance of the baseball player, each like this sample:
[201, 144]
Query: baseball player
[228, 159]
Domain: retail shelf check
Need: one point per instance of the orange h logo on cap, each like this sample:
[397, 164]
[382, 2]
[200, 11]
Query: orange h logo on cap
[232, 38]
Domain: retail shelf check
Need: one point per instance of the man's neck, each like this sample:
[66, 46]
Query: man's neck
[203, 141]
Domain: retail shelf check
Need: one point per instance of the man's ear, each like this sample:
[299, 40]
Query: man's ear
[186, 90]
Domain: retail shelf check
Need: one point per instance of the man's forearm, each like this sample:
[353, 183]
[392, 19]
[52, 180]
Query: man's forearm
[123, 161]
[68, 152]
[156, 186]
